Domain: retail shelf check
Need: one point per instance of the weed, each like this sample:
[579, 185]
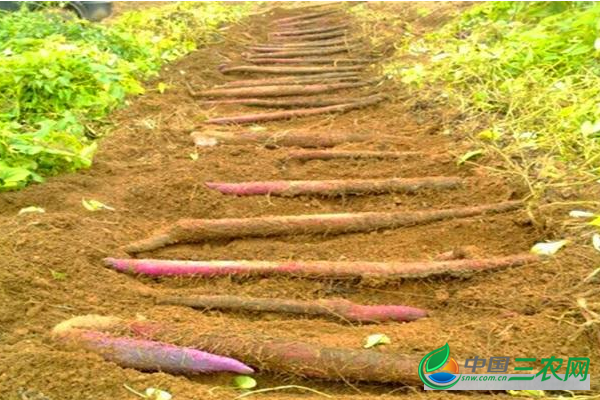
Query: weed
[528, 70]
[57, 76]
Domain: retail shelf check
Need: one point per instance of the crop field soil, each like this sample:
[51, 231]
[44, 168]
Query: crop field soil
[151, 174]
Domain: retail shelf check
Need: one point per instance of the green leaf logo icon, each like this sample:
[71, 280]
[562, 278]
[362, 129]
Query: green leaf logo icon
[433, 361]
[437, 358]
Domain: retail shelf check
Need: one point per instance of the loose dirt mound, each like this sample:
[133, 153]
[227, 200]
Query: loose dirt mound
[52, 268]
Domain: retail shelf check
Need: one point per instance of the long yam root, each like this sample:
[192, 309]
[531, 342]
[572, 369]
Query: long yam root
[281, 139]
[302, 52]
[280, 355]
[314, 43]
[278, 91]
[307, 155]
[311, 23]
[303, 112]
[335, 187]
[309, 101]
[289, 70]
[294, 80]
[342, 309]
[309, 37]
[328, 5]
[198, 230]
[324, 19]
[310, 60]
[311, 31]
[319, 269]
[306, 16]
[148, 355]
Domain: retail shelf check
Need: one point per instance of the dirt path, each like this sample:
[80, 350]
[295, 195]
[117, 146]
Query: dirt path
[52, 263]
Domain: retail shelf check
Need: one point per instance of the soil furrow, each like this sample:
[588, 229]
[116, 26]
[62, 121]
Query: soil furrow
[152, 173]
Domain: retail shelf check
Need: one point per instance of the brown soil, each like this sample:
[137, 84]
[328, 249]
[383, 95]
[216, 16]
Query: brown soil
[52, 270]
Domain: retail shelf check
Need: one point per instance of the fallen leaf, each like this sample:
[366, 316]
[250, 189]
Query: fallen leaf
[59, 276]
[589, 128]
[596, 241]
[581, 214]
[489, 135]
[469, 155]
[148, 123]
[376, 339]
[95, 205]
[548, 248]
[32, 209]
[595, 222]
[244, 382]
[157, 394]
[527, 393]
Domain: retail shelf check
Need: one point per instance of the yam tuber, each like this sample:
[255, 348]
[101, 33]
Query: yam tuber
[335, 187]
[318, 269]
[301, 112]
[342, 309]
[198, 230]
[281, 139]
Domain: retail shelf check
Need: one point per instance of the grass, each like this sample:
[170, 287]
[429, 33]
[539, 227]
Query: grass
[60, 77]
[528, 72]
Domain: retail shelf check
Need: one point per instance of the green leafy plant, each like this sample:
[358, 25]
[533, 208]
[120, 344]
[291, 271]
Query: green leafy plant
[58, 76]
[529, 71]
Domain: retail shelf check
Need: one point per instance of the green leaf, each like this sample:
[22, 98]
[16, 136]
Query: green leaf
[536, 394]
[595, 222]
[437, 358]
[87, 153]
[469, 155]
[423, 12]
[376, 340]
[59, 276]
[13, 175]
[489, 135]
[244, 382]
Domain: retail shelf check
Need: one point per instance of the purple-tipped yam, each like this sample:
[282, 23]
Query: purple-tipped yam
[343, 309]
[332, 269]
[148, 355]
